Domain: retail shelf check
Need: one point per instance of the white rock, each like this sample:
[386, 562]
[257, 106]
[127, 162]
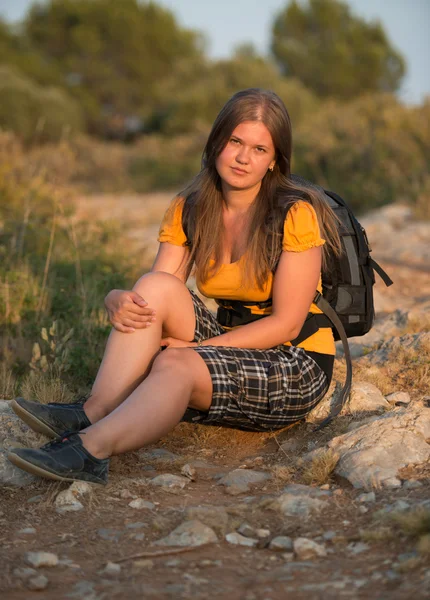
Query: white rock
[189, 471]
[167, 480]
[215, 517]
[41, 559]
[240, 540]
[357, 548]
[398, 398]
[371, 456]
[293, 505]
[189, 533]
[40, 582]
[66, 501]
[243, 478]
[24, 572]
[80, 488]
[141, 504]
[27, 531]
[262, 533]
[111, 569]
[306, 549]
[369, 497]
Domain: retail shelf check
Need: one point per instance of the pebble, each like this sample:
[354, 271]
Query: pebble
[369, 497]
[189, 533]
[262, 533]
[40, 582]
[363, 510]
[246, 530]
[111, 569]
[329, 535]
[167, 480]
[143, 563]
[66, 501]
[412, 484]
[24, 572]
[357, 548]
[27, 531]
[288, 556]
[141, 504]
[189, 471]
[41, 559]
[306, 549]
[281, 543]
[325, 486]
[137, 525]
[240, 540]
[35, 499]
[243, 478]
[398, 398]
[109, 534]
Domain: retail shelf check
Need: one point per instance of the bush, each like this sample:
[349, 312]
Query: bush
[35, 114]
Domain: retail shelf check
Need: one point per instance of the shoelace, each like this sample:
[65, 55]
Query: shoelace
[55, 443]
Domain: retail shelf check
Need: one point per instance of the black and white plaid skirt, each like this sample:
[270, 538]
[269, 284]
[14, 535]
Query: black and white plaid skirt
[257, 390]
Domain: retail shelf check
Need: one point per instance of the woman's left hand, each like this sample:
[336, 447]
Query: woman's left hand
[171, 342]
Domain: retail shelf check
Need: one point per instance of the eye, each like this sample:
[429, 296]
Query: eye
[234, 141]
[261, 149]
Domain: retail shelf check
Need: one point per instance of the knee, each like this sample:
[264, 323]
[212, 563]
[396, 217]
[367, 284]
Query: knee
[158, 280]
[174, 359]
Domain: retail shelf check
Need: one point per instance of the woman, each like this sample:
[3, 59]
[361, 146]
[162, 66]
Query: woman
[245, 246]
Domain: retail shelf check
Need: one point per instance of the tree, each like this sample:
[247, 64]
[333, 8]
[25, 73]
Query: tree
[111, 53]
[333, 52]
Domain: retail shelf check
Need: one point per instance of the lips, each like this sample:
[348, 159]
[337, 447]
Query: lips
[239, 171]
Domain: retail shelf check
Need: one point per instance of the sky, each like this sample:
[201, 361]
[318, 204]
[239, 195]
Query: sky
[228, 23]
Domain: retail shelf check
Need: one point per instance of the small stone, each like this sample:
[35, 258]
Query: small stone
[24, 572]
[357, 548]
[189, 533]
[262, 533]
[41, 559]
[329, 535]
[127, 494]
[240, 540]
[35, 499]
[398, 398]
[137, 525]
[80, 488]
[412, 484]
[288, 556]
[369, 497]
[167, 480]
[338, 492]
[246, 530]
[66, 501]
[281, 543]
[109, 534]
[141, 504]
[363, 510]
[40, 582]
[27, 531]
[189, 471]
[306, 549]
[325, 486]
[243, 478]
[236, 490]
[111, 569]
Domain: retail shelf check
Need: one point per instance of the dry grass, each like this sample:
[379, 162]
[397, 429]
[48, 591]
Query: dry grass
[321, 468]
[282, 474]
[45, 388]
[8, 383]
[413, 523]
[378, 534]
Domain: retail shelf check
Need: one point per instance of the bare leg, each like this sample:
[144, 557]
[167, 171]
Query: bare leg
[128, 356]
[179, 377]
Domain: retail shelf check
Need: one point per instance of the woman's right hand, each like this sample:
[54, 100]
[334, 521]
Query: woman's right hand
[128, 311]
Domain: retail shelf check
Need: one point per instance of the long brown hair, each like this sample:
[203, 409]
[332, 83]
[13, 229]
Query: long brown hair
[277, 188]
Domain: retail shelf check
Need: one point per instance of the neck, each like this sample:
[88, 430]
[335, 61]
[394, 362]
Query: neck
[239, 200]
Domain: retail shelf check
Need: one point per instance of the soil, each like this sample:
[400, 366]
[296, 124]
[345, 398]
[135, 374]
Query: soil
[217, 570]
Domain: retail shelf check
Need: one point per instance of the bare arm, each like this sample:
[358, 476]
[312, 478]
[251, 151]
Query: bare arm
[294, 288]
[172, 259]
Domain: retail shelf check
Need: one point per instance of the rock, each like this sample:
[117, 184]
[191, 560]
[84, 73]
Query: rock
[24, 572]
[242, 478]
[246, 530]
[215, 517]
[364, 398]
[40, 582]
[11, 475]
[27, 531]
[240, 540]
[329, 535]
[66, 501]
[306, 549]
[417, 342]
[109, 534]
[189, 533]
[281, 543]
[141, 504]
[369, 497]
[189, 471]
[412, 484]
[371, 456]
[262, 533]
[298, 500]
[143, 563]
[398, 398]
[357, 548]
[236, 490]
[111, 569]
[159, 455]
[41, 559]
[169, 481]
[363, 510]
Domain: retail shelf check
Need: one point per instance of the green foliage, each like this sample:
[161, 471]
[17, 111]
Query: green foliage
[372, 151]
[35, 113]
[110, 53]
[333, 52]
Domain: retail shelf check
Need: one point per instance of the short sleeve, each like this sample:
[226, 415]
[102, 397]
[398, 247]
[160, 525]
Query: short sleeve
[171, 226]
[301, 228]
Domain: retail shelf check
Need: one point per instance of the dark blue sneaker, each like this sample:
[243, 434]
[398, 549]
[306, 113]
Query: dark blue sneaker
[51, 419]
[65, 459]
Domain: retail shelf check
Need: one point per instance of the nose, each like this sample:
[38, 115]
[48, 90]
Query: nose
[242, 156]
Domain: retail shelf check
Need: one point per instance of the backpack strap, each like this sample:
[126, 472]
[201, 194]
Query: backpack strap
[331, 314]
[382, 274]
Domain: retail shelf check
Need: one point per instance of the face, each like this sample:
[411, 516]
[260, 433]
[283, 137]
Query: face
[247, 156]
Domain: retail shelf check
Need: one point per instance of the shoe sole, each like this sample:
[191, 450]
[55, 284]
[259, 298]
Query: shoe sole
[35, 470]
[33, 422]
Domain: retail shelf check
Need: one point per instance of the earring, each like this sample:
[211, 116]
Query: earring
[271, 168]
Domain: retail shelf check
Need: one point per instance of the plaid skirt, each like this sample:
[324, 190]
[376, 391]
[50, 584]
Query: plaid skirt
[257, 390]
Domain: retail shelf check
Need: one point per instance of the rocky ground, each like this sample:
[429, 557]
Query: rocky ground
[218, 513]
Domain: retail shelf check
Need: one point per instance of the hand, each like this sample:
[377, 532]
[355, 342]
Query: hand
[128, 311]
[174, 343]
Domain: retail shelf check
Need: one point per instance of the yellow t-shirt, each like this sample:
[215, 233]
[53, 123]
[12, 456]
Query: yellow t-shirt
[301, 232]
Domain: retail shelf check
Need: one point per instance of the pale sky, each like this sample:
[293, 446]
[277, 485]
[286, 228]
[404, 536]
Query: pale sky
[228, 23]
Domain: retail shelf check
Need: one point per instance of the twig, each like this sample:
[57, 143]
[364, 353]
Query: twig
[161, 553]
